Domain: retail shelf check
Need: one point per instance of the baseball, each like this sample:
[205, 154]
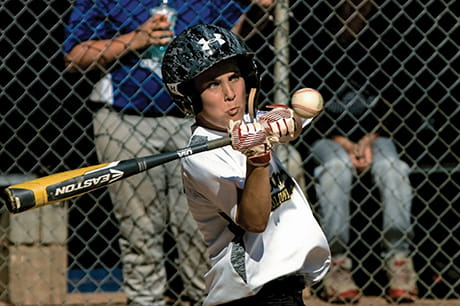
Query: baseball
[307, 102]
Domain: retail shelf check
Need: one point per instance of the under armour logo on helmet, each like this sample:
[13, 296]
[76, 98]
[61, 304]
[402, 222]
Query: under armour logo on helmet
[214, 43]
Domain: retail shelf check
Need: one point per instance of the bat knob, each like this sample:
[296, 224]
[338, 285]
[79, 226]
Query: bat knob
[17, 200]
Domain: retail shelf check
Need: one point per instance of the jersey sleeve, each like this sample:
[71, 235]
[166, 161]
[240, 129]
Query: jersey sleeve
[97, 20]
[212, 178]
[81, 25]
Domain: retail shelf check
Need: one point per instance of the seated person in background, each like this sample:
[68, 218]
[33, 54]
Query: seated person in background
[355, 134]
[353, 127]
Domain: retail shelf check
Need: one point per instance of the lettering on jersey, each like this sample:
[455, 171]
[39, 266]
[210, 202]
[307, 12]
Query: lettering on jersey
[282, 186]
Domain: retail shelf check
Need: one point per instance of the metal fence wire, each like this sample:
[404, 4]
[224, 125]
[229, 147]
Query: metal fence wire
[403, 53]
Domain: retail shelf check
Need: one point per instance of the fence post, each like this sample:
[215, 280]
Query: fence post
[281, 46]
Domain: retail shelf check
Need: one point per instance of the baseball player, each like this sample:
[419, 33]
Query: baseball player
[264, 243]
[134, 116]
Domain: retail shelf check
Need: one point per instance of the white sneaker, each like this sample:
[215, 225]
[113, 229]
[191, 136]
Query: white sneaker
[339, 286]
[403, 279]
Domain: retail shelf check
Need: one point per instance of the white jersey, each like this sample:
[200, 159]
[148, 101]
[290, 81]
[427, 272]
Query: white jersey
[293, 241]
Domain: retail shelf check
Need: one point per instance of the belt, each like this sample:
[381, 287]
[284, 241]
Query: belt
[290, 283]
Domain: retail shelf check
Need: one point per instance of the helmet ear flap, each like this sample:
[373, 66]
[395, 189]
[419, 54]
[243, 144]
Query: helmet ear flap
[188, 99]
[186, 106]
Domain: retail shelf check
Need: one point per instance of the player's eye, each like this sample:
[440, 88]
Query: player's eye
[235, 76]
[212, 85]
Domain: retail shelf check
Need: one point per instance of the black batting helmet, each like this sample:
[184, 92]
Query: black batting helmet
[194, 51]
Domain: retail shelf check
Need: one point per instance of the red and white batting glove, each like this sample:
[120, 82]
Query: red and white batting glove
[250, 139]
[279, 123]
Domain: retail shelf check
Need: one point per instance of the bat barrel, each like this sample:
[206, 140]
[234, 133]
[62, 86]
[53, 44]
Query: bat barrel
[66, 185]
[56, 188]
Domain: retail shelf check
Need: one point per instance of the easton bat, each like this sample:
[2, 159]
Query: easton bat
[69, 184]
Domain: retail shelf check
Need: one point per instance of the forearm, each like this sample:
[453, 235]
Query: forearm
[96, 54]
[254, 206]
[344, 142]
[264, 3]
[368, 139]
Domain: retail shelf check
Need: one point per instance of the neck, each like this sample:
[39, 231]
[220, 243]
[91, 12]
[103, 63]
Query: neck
[204, 123]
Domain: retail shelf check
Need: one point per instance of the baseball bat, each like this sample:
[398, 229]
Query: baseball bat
[69, 184]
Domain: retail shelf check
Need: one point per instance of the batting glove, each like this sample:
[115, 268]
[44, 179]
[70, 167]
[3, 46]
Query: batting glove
[279, 124]
[250, 139]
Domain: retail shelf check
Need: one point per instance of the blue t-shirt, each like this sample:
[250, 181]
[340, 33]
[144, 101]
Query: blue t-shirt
[134, 84]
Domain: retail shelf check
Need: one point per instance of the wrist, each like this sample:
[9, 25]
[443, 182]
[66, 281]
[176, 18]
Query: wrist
[261, 160]
[138, 39]
[339, 139]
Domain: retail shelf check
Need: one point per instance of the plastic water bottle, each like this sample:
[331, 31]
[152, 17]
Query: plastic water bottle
[156, 52]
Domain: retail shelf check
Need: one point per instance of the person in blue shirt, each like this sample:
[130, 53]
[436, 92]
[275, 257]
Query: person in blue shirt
[137, 117]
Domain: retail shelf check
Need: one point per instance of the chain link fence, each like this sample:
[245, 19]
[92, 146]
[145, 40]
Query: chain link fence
[405, 53]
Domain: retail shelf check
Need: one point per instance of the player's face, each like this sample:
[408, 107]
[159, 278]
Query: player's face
[223, 95]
